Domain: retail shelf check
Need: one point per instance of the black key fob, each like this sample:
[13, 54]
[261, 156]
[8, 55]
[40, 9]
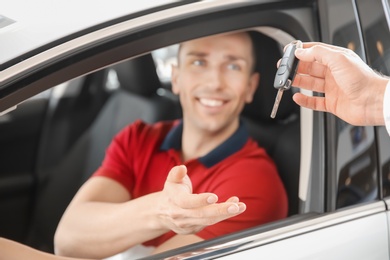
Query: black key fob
[287, 67]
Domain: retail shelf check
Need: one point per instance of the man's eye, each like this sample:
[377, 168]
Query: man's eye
[233, 66]
[198, 62]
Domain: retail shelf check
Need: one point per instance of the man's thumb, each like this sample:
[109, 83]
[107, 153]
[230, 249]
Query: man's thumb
[178, 174]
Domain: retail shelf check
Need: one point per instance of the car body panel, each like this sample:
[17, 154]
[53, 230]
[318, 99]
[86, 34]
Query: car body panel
[305, 239]
[25, 32]
[347, 245]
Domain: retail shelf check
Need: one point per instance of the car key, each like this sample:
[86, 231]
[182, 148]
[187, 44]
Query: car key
[285, 73]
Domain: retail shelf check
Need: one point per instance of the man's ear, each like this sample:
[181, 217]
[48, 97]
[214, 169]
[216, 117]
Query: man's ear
[253, 83]
[174, 79]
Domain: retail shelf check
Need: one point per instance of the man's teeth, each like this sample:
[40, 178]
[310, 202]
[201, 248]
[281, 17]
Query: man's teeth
[211, 102]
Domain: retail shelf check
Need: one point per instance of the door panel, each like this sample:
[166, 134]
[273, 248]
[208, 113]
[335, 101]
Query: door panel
[357, 232]
[363, 238]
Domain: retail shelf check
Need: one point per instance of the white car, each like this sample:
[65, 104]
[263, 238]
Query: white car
[73, 73]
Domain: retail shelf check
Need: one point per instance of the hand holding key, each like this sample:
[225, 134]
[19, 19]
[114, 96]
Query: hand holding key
[285, 73]
[352, 90]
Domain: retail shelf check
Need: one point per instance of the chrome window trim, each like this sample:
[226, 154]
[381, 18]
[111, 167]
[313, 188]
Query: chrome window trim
[114, 31]
[300, 228]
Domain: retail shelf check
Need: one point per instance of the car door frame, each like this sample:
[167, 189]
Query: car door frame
[39, 77]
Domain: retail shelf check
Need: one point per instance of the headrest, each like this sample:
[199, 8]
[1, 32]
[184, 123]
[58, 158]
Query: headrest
[138, 75]
[268, 52]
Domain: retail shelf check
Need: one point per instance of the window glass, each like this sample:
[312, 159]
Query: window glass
[164, 58]
[343, 26]
[356, 165]
[376, 34]
[356, 179]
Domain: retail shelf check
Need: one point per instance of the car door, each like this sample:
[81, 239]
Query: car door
[329, 224]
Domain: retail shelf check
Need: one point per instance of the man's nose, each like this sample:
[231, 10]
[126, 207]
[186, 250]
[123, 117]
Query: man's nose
[214, 78]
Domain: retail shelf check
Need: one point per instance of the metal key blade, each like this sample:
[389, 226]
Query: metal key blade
[277, 102]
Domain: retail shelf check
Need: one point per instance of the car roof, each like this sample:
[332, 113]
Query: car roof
[28, 25]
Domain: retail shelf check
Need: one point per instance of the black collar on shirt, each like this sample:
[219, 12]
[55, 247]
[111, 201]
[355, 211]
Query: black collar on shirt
[233, 144]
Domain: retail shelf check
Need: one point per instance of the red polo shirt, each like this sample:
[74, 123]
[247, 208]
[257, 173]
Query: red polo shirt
[141, 156]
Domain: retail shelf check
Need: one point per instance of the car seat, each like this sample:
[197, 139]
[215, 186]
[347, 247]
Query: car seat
[280, 136]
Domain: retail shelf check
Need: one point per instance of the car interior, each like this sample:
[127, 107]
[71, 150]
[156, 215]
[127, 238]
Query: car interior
[83, 115]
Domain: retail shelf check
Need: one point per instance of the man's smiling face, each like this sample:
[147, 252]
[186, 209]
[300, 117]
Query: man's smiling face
[214, 80]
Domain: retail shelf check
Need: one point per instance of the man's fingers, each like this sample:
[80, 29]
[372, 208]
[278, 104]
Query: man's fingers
[177, 180]
[308, 55]
[237, 208]
[178, 175]
[220, 211]
[233, 199]
[307, 45]
[315, 103]
[324, 54]
[309, 83]
[189, 212]
[314, 69]
[192, 201]
[208, 215]
[237, 205]
[278, 63]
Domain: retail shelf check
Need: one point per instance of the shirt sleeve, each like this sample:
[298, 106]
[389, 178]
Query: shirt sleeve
[386, 107]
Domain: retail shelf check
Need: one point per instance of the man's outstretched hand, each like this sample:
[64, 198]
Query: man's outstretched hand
[186, 213]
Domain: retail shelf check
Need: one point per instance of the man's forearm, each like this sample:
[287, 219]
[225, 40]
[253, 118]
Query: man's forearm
[11, 250]
[99, 229]
[102, 220]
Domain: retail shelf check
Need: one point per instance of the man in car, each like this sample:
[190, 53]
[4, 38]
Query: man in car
[174, 183]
